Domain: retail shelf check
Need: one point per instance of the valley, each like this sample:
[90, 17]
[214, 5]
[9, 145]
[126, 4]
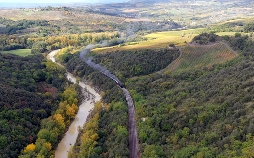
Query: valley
[170, 78]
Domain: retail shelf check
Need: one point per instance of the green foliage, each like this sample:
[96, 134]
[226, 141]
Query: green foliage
[241, 43]
[23, 83]
[152, 151]
[249, 27]
[53, 127]
[38, 47]
[207, 115]
[112, 140]
[136, 63]
[205, 38]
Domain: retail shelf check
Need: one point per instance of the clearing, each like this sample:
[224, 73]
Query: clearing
[20, 52]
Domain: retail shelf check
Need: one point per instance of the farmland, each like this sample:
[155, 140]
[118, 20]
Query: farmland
[156, 40]
[160, 40]
[197, 57]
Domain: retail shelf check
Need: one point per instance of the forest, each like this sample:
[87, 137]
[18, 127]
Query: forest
[31, 89]
[196, 113]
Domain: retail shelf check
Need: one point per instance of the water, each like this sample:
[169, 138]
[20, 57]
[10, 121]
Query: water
[71, 135]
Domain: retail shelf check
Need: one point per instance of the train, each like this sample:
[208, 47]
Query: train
[119, 84]
[116, 81]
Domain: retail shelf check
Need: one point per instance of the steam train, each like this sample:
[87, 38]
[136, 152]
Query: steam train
[117, 82]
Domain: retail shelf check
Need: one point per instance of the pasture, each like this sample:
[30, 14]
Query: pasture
[20, 52]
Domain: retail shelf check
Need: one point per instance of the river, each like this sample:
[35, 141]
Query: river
[84, 109]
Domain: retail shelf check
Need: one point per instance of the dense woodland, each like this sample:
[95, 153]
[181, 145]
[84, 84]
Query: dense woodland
[31, 88]
[127, 64]
[201, 113]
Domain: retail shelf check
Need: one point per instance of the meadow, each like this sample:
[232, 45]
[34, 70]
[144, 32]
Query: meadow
[20, 52]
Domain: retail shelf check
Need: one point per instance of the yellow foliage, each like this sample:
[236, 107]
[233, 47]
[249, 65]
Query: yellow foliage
[59, 120]
[97, 106]
[70, 112]
[48, 146]
[94, 136]
[75, 101]
[75, 107]
[30, 147]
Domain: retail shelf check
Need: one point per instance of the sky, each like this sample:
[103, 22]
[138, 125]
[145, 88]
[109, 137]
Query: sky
[41, 1]
[60, 1]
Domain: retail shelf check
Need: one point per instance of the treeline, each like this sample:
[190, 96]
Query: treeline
[205, 38]
[43, 44]
[249, 27]
[233, 27]
[10, 27]
[31, 87]
[105, 133]
[127, 64]
[241, 43]
[228, 27]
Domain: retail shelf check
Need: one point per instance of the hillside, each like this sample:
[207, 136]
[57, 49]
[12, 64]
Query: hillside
[200, 112]
[29, 93]
[204, 108]
[195, 57]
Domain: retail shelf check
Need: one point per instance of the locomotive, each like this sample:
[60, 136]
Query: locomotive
[116, 81]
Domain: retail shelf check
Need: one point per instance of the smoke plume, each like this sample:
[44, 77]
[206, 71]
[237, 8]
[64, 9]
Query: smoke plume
[88, 61]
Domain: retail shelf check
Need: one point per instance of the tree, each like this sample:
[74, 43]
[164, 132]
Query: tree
[29, 148]
[39, 47]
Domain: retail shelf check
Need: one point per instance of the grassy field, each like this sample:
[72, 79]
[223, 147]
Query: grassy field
[160, 40]
[197, 57]
[157, 40]
[20, 52]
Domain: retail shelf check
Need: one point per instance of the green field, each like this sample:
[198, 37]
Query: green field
[197, 57]
[20, 52]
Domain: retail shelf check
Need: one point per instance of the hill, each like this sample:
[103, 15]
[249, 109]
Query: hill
[197, 112]
[195, 57]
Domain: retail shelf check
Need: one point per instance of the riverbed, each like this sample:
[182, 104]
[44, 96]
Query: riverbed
[91, 96]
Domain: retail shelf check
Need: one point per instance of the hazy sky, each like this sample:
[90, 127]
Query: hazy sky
[42, 1]
[59, 1]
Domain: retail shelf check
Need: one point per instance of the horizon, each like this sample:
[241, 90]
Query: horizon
[60, 1]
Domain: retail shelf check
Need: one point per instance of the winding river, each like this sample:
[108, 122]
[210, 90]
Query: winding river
[91, 96]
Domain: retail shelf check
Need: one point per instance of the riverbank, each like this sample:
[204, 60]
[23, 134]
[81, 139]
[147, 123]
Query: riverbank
[91, 96]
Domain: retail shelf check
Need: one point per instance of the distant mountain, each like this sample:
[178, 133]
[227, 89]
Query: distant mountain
[25, 4]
